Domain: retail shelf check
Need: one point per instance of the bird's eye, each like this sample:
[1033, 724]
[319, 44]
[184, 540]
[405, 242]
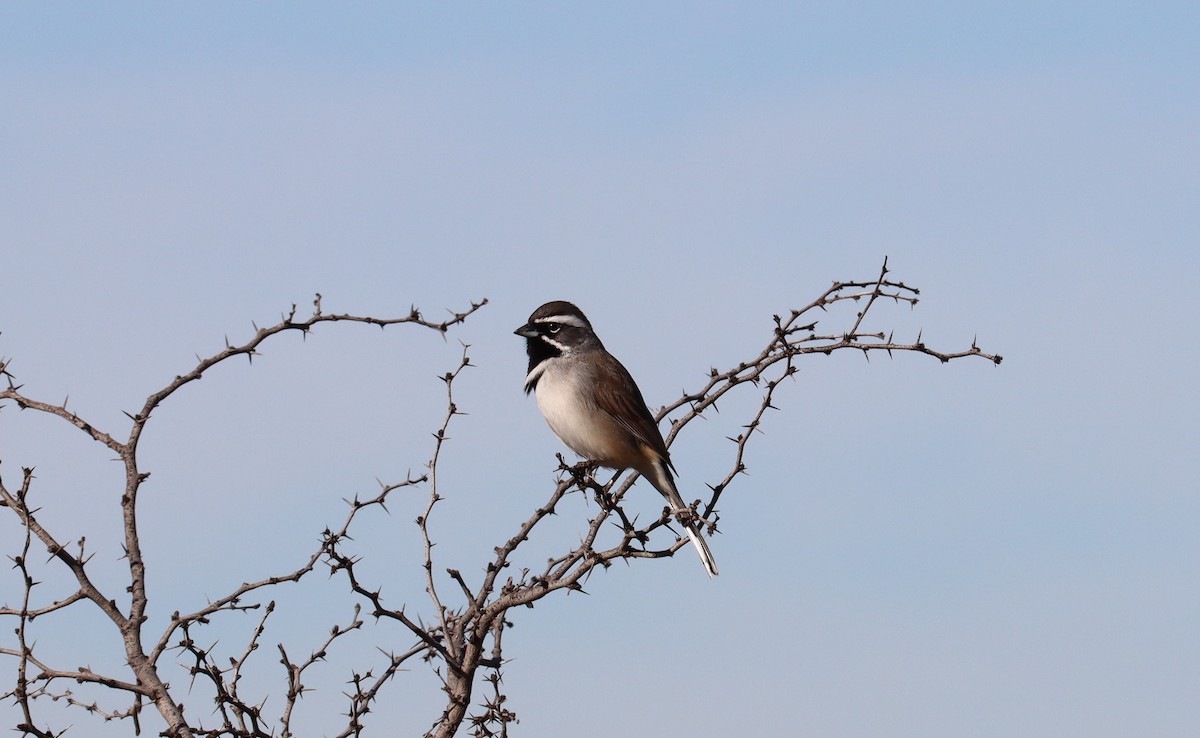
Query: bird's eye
[553, 327]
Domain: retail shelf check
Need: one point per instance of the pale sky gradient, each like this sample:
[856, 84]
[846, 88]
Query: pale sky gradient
[920, 550]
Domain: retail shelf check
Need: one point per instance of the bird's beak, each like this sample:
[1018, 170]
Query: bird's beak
[526, 331]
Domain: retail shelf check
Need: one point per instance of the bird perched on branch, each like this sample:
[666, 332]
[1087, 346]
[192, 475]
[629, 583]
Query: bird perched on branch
[593, 405]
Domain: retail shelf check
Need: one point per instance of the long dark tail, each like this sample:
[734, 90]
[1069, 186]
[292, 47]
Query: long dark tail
[660, 476]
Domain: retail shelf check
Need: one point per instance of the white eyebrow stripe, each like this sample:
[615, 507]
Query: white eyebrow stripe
[564, 319]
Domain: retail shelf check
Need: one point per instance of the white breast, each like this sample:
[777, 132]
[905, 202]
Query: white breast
[571, 413]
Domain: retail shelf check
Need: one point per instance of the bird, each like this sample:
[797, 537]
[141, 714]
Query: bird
[592, 404]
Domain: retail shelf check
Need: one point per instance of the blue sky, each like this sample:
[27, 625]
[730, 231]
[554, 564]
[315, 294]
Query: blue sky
[920, 550]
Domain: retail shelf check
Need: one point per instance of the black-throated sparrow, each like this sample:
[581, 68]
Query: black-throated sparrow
[596, 408]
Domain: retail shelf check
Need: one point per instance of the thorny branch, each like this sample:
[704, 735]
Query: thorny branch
[462, 637]
[145, 664]
[470, 636]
